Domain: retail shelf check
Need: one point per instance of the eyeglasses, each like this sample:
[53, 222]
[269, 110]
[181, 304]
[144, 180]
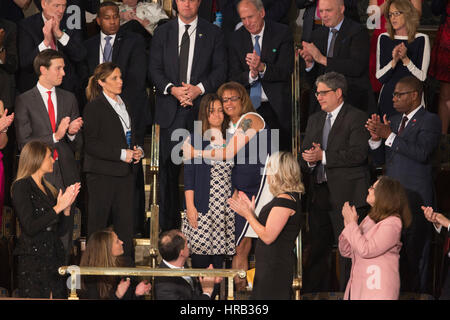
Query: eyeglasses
[233, 98]
[395, 14]
[398, 95]
[322, 93]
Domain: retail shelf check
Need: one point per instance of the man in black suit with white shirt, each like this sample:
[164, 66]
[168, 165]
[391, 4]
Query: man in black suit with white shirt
[187, 60]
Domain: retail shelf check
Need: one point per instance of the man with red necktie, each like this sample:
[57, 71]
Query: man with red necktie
[51, 115]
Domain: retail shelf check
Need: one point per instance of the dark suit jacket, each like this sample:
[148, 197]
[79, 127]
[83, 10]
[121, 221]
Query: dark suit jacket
[9, 68]
[277, 52]
[209, 65]
[129, 54]
[409, 160]
[346, 155]
[351, 58]
[29, 37]
[33, 123]
[310, 6]
[177, 288]
[104, 139]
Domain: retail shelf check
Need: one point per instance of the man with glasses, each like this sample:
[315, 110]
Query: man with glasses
[340, 45]
[406, 144]
[335, 152]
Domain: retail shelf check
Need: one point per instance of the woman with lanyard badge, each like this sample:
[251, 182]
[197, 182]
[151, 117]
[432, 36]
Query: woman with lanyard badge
[109, 156]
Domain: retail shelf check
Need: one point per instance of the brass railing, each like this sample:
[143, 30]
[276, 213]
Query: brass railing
[76, 272]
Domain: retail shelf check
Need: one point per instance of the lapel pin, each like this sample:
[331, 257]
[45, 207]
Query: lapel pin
[200, 35]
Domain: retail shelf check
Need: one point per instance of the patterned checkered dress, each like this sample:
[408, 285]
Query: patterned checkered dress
[215, 232]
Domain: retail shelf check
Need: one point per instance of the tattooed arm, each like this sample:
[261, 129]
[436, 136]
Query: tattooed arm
[248, 128]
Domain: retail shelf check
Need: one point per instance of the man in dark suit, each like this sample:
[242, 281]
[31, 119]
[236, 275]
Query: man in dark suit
[43, 31]
[410, 140]
[8, 62]
[187, 60]
[335, 153]
[340, 45]
[127, 50]
[50, 114]
[261, 58]
[173, 247]
[312, 19]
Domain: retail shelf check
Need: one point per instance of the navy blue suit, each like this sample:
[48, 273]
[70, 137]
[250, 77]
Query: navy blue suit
[409, 160]
[209, 67]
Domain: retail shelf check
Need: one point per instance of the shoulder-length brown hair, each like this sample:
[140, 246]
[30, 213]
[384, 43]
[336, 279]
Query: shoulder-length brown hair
[390, 200]
[410, 13]
[30, 161]
[246, 103]
[101, 72]
[98, 253]
[204, 112]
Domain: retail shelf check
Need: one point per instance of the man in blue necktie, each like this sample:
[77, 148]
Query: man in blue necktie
[261, 58]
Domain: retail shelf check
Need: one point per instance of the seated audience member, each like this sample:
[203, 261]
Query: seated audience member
[401, 51]
[110, 154]
[44, 30]
[340, 45]
[277, 227]
[43, 213]
[439, 221]
[174, 250]
[147, 14]
[103, 250]
[209, 222]
[406, 144]
[374, 245]
[5, 121]
[261, 58]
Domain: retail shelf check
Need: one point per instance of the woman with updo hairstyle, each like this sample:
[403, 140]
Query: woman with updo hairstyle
[110, 153]
[104, 250]
[42, 212]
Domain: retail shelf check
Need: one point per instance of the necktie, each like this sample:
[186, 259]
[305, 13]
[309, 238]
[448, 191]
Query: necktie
[53, 44]
[107, 51]
[184, 55]
[326, 131]
[256, 89]
[51, 115]
[317, 10]
[402, 126]
[333, 40]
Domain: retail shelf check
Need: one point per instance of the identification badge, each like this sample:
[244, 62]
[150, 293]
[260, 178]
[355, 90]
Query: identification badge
[128, 136]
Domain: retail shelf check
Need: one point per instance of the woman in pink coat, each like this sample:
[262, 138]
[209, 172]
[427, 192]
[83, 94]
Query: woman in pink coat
[374, 245]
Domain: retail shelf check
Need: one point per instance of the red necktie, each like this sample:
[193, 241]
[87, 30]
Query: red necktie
[317, 10]
[52, 44]
[51, 115]
[402, 126]
[447, 245]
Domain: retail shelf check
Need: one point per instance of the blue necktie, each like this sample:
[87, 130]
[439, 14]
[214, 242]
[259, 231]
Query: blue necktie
[326, 131]
[256, 89]
[107, 51]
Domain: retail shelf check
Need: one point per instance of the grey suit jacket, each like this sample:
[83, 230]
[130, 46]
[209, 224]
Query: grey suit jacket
[33, 123]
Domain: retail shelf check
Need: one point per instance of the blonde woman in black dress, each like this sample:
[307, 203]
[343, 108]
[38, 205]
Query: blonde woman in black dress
[277, 227]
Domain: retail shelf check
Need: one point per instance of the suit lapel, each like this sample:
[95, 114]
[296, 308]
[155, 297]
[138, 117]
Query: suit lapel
[172, 51]
[116, 47]
[266, 43]
[337, 124]
[94, 56]
[342, 35]
[414, 121]
[59, 106]
[199, 35]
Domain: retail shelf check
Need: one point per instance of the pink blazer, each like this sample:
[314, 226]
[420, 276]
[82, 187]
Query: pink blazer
[374, 249]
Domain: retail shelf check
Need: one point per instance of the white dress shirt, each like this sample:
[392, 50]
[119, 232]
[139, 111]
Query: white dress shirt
[192, 35]
[63, 40]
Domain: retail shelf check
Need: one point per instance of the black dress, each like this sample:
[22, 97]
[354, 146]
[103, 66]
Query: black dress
[275, 262]
[39, 250]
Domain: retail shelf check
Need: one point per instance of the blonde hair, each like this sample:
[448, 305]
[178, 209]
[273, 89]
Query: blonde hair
[410, 13]
[31, 158]
[284, 174]
[246, 103]
[101, 72]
